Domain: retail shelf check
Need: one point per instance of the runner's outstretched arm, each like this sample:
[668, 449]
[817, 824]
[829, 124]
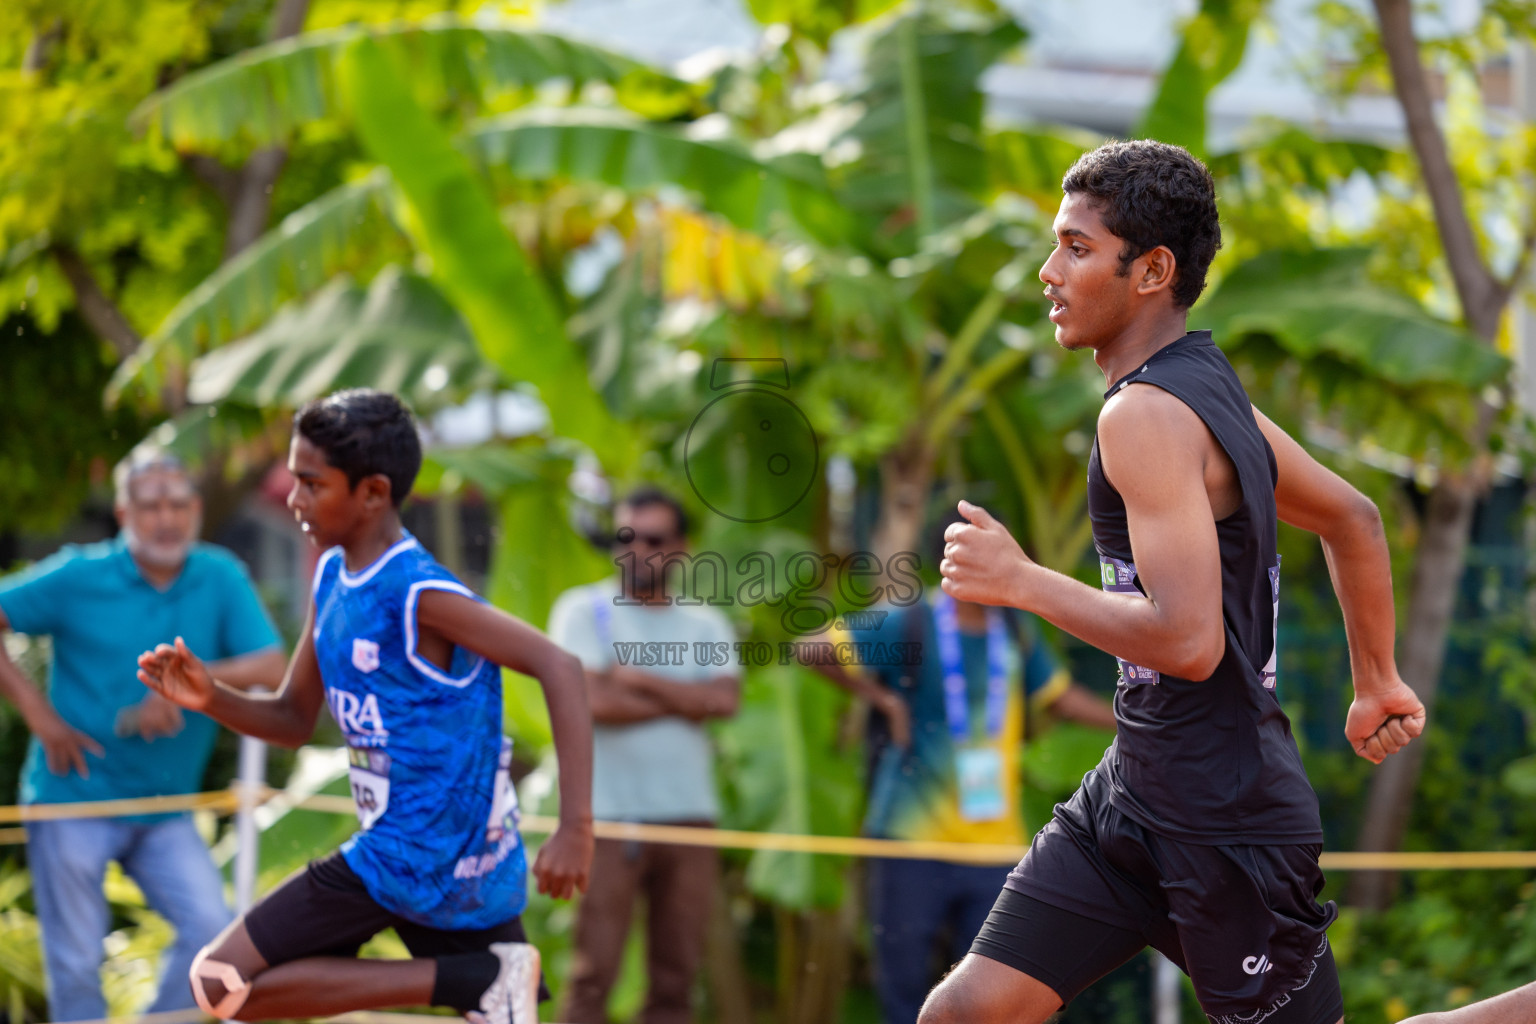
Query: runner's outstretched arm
[286, 717]
[1385, 715]
[565, 858]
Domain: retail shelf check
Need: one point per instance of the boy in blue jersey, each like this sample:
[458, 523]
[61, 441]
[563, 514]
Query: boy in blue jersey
[408, 661]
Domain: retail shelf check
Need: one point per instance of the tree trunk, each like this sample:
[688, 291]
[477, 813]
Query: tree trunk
[1440, 558]
[98, 311]
[1437, 570]
[251, 205]
[787, 968]
[1476, 286]
[40, 50]
[724, 972]
[813, 964]
[905, 477]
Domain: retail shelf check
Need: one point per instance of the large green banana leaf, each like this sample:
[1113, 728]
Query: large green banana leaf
[474, 260]
[921, 160]
[780, 757]
[1365, 354]
[262, 95]
[817, 20]
[1211, 47]
[538, 556]
[613, 148]
[1292, 154]
[1033, 161]
[399, 334]
[341, 230]
[1321, 302]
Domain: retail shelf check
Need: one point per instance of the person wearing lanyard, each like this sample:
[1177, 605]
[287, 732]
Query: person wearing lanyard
[958, 780]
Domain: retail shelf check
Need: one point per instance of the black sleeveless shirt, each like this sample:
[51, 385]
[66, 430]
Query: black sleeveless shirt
[1208, 761]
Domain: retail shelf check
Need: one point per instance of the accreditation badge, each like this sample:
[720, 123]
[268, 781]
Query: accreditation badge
[979, 776]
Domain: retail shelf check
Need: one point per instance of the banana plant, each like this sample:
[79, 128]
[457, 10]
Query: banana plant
[880, 239]
[434, 200]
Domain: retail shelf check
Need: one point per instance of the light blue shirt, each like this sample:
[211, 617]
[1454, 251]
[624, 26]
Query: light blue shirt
[102, 614]
[663, 769]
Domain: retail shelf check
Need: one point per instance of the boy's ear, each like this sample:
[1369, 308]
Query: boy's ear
[1158, 269]
[375, 491]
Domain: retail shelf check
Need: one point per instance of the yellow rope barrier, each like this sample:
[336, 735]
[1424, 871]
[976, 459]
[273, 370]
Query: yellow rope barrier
[226, 801]
[196, 1016]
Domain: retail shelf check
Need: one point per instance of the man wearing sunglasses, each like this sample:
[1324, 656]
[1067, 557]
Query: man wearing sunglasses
[652, 760]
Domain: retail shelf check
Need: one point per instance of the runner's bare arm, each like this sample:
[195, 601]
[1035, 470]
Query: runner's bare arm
[1386, 715]
[286, 717]
[565, 858]
[258, 669]
[1154, 450]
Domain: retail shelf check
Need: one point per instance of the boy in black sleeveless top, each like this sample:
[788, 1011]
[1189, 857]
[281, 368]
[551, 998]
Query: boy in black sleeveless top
[1198, 833]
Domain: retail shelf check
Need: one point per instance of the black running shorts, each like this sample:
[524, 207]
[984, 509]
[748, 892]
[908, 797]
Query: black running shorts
[324, 909]
[1242, 921]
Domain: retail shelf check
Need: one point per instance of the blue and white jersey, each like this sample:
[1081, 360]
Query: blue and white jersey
[439, 843]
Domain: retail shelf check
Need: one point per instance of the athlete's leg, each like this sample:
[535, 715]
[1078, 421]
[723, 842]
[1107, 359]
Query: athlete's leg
[1252, 934]
[294, 953]
[468, 961]
[237, 983]
[1517, 1006]
[602, 928]
[1033, 955]
[171, 864]
[983, 991]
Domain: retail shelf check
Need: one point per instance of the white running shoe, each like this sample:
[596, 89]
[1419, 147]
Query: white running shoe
[513, 997]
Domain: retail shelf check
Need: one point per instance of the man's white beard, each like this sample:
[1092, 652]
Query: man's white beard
[158, 556]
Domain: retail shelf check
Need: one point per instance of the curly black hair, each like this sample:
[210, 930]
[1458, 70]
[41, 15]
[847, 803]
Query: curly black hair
[363, 432]
[1151, 194]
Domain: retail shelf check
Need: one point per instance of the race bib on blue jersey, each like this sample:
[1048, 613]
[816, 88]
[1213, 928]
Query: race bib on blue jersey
[1119, 577]
[504, 815]
[369, 771]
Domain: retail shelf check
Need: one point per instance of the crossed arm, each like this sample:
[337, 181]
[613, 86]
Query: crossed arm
[624, 694]
[1168, 469]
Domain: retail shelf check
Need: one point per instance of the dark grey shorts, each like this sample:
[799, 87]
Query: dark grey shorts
[324, 909]
[1242, 921]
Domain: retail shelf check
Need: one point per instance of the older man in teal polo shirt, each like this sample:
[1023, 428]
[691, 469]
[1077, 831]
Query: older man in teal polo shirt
[98, 735]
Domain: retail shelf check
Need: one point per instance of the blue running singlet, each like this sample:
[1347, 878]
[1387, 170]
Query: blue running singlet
[438, 842]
